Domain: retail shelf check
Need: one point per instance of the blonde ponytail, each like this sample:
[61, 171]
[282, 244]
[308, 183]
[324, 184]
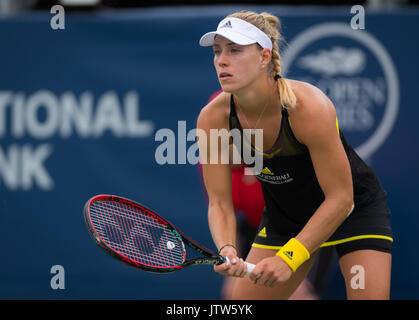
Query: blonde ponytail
[270, 24]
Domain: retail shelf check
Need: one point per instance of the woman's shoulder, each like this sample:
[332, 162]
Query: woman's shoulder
[314, 111]
[311, 100]
[216, 113]
[306, 92]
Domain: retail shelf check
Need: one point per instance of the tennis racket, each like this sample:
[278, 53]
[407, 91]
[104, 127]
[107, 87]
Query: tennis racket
[138, 237]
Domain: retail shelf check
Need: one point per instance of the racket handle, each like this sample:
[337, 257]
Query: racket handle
[250, 266]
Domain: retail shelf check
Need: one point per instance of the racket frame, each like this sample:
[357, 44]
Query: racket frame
[210, 257]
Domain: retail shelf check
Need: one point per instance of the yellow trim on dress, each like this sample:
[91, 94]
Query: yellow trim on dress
[331, 243]
[337, 123]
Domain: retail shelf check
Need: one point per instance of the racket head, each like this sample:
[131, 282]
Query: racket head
[134, 234]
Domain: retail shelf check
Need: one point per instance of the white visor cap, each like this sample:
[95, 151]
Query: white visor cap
[238, 31]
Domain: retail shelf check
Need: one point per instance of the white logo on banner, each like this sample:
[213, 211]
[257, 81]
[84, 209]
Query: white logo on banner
[337, 60]
[340, 72]
[43, 115]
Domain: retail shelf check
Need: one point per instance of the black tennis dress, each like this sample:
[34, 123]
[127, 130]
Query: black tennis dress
[292, 195]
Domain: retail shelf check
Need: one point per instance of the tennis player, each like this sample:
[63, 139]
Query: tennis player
[248, 204]
[318, 192]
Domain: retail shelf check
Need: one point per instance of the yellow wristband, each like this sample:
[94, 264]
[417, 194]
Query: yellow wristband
[294, 254]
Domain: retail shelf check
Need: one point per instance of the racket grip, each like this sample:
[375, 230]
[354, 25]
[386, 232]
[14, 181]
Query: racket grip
[250, 266]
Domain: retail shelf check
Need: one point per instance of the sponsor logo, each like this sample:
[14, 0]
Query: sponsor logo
[45, 117]
[356, 72]
[227, 25]
[267, 175]
[288, 254]
[262, 233]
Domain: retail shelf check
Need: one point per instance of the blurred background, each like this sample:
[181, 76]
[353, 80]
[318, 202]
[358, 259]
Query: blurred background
[85, 87]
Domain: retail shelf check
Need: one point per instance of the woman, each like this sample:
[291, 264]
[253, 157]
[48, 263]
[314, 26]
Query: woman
[317, 191]
[248, 204]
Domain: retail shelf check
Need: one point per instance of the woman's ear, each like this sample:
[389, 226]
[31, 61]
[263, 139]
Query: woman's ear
[266, 55]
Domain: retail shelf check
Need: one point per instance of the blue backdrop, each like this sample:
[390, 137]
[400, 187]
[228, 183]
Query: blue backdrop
[80, 109]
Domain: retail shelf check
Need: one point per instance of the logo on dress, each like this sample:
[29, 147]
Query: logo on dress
[267, 175]
[262, 233]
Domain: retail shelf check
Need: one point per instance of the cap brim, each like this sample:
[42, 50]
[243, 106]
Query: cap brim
[208, 38]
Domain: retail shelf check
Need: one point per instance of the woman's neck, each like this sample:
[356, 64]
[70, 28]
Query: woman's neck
[253, 99]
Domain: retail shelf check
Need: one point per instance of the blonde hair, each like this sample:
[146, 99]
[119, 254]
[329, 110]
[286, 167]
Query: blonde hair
[271, 25]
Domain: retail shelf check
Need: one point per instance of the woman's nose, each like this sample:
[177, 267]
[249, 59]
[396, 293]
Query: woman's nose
[222, 59]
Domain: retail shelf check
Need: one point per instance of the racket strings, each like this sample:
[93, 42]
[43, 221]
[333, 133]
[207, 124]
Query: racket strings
[134, 244]
[136, 235]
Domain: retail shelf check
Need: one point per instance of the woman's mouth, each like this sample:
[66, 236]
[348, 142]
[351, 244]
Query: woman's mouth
[225, 76]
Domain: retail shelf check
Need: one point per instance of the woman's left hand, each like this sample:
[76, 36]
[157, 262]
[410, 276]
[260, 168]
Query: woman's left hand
[271, 272]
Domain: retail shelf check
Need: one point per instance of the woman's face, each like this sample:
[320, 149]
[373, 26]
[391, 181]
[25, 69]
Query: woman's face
[237, 66]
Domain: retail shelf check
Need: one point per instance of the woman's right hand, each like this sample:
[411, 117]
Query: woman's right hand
[234, 266]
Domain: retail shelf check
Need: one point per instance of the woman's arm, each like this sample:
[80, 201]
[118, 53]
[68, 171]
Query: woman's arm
[217, 179]
[314, 125]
